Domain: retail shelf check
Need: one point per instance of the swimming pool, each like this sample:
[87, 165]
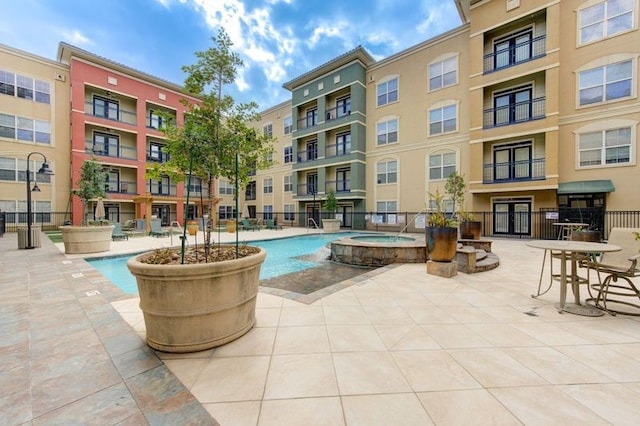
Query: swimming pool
[282, 258]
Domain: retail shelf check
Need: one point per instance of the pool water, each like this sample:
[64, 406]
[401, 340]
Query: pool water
[281, 259]
[381, 238]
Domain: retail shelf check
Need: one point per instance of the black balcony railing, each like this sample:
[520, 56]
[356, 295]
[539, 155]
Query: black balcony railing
[110, 113]
[515, 54]
[338, 150]
[307, 189]
[157, 157]
[161, 189]
[514, 113]
[307, 155]
[110, 150]
[514, 171]
[338, 186]
[307, 122]
[121, 187]
[337, 112]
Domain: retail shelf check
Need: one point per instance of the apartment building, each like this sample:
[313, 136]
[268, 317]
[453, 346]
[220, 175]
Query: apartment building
[34, 127]
[115, 117]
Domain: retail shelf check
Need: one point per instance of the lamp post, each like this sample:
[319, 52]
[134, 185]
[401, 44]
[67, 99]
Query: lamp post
[44, 169]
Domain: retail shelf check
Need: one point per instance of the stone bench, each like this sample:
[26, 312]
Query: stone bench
[478, 244]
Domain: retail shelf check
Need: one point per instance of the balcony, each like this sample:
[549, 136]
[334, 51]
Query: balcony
[337, 150]
[157, 157]
[196, 190]
[338, 186]
[307, 156]
[336, 113]
[110, 150]
[121, 187]
[514, 113]
[110, 112]
[515, 54]
[161, 189]
[307, 189]
[514, 171]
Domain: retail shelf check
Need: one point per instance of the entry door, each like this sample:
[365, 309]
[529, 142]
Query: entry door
[162, 212]
[347, 213]
[512, 218]
[313, 213]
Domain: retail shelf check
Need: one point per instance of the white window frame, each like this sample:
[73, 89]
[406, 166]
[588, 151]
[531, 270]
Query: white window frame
[287, 124]
[387, 172]
[267, 129]
[267, 185]
[383, 130]
[441, 70]
[606, 69]
[442, 166]
[441, 109]
[607, 16]
[225, 187]
[289, 212]
[267, 211]
[386, 207]
[390, 96]
[287, 183]
[603, 127]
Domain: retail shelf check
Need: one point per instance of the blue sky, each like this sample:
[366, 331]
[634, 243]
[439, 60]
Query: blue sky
[278, 40]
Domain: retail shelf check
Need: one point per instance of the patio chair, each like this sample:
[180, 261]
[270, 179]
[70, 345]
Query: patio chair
[157, 231]
[117, 233]
[271, 225]
[246, 225]
[619, 267]
[129, 225]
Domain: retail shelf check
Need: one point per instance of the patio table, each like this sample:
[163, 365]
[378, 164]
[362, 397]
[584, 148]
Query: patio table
[570, 251]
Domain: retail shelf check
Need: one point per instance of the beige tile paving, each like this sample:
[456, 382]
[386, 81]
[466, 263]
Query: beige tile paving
[404, 347]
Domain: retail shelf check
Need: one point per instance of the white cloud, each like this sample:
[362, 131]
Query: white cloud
[76, 38]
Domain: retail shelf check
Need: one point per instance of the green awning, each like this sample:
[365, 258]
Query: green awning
[586, 187]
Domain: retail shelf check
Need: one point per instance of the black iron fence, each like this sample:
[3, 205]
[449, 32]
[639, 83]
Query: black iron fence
[525, 225]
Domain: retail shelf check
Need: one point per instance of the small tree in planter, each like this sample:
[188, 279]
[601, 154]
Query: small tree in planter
[197, 299]
[96, 237]
[441, 231]
[455, 187]
[331, 224]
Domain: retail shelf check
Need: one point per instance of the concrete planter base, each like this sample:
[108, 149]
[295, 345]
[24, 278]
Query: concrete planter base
[331, 225]
[86, 239]
[189, 308]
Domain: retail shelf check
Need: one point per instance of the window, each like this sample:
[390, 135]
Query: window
[343, 177]
[512, 49]
[312, 150]
[388, 92]
[225, 187]
[605, 83]
[7, 126]
[386, 208]
[513, 106]
[25, 129]
[160, 187]
[289, 212]
[155, 152]
[443, 120]
[13, 170]
[441, 165]
[267, 129]
[43, 92]
[343, 144]
[288, 154]
[106, 108]
[7, 83]
[312, 117]
[288, 125]
[8, 169]
[604, 147]
[250, 191]
[387, 132]
[155, 120]
[267, 185]
[343, 106]
[225, 212]
[605, 19]
[25, 87]
[105, 144]
[267, 211]
[443, 73]
[387, 172]
[288, 186]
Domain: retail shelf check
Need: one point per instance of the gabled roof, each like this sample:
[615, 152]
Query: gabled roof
[357, 54]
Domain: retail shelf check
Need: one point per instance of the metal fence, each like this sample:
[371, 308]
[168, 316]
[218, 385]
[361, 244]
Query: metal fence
[525, 225]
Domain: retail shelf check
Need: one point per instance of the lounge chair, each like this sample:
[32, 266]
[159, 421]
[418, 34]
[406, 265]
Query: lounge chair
[271, 225]
[619, 267]
[129, 225]
[117, 233]
[157, 231]
[246, 225]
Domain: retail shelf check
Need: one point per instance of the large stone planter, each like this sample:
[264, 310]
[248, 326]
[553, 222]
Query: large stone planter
[86, 239]
[442, 243]
[331, 225]
[189, 308]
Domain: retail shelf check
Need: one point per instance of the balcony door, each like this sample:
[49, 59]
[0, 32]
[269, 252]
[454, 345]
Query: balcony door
[512, 106]
[106, 108]
[112, 182]
[105, 144]
[342, 180]
[512, 49]
[512, 162]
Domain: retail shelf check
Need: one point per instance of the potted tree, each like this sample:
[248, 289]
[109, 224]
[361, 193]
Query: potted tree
[92, 236]
[455, 187]
[441, 231]
[202, 297]
[331, 224]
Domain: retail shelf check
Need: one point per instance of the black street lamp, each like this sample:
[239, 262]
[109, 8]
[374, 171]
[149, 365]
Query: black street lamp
[44, 169]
